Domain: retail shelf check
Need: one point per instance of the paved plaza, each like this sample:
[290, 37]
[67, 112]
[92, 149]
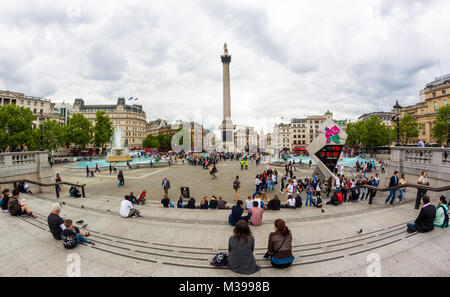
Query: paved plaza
[181, 242]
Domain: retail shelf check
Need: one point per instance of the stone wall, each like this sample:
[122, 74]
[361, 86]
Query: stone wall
[27, 165]
[414, 160]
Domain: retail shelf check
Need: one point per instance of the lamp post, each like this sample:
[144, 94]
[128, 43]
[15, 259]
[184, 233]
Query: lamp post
[41, 124]
[397, 108]
[448, 125]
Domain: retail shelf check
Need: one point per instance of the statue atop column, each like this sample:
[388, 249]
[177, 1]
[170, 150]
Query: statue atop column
[225, 49]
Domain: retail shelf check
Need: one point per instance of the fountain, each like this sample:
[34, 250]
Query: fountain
[118, 153]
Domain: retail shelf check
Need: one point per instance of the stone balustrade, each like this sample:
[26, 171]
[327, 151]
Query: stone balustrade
[414, 160]
[26, 165]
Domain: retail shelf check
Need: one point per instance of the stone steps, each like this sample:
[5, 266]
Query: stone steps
[199, 257]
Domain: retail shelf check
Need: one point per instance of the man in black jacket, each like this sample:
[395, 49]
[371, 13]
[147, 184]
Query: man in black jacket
[392, 183]
[425, 220]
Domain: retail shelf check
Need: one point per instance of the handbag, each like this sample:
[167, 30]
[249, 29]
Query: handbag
[267, 255]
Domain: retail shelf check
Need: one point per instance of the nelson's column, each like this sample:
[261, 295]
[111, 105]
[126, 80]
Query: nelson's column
[227, 125]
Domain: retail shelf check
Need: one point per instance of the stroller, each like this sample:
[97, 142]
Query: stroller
[141, 199]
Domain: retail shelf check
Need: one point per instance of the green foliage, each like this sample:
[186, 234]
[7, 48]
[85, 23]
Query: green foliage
[354, 133]
[79, 130]
[370, 133]
[162, 141]
[440, 128]
[19, 121]
[102, 129]
[151, 142]
[53, 135]
[408, 128]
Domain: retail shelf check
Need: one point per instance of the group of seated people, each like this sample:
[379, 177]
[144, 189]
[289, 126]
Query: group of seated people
[11, 204]
[64, 230]
[214, 203]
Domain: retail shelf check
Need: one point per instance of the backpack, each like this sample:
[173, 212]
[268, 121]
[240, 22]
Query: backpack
[298, 201]
[220, 260]
[445, 224]
[236, 184]
[69, 239]
[318, 202]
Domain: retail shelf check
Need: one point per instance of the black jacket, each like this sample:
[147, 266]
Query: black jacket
[425, 220]
[393, 182]
[5, 202]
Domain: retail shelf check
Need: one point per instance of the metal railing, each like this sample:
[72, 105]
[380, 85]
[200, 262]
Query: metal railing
[421, 190]
[56, 185]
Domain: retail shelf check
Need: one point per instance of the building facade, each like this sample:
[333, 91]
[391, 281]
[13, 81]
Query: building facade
[42, 108]
[385, 117]
[130, 118]
[300, 132]
[435, 95]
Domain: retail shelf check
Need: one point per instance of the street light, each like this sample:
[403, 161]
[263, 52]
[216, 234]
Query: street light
[448, 124]
[397, 108]
[41, 124]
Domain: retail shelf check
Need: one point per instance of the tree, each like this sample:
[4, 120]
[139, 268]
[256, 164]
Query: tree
[374, 133]
[79, 130]
[408, 128]
[165, 141]
[53, 137]
[440, 128]
[353, 131]
[19, 123]
[151, 142]
[102, 130]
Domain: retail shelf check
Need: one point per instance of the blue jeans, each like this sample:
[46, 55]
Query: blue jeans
[391, 196]
[400, 197]
[81, 238]
[411, 226]
[121, 183]
[363, 193]
[308, 198]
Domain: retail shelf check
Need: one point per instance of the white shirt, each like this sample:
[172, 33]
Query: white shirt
[125, 207]
[249, 204]
[291, 201]
[290, 188]
[259, 201]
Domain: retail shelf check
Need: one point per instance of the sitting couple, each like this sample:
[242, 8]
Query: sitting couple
[254, 216]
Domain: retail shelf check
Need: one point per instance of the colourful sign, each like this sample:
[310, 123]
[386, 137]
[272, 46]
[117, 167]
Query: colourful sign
[332, 134]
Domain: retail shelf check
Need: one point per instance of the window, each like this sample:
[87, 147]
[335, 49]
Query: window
[444, 92]
[445, 102]
[436, 106]
[35, 103]
[434, 95]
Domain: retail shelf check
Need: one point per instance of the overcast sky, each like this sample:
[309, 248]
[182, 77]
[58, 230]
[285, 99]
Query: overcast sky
[289, 58]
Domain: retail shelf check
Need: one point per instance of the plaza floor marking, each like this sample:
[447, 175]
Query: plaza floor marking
[131, 177]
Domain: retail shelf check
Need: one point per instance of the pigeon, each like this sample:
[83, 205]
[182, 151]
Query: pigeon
[79, 222]
[359, 232]
[64, 203]
[322, 210]
[108, 210]
[84, 226]
[82, 206]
